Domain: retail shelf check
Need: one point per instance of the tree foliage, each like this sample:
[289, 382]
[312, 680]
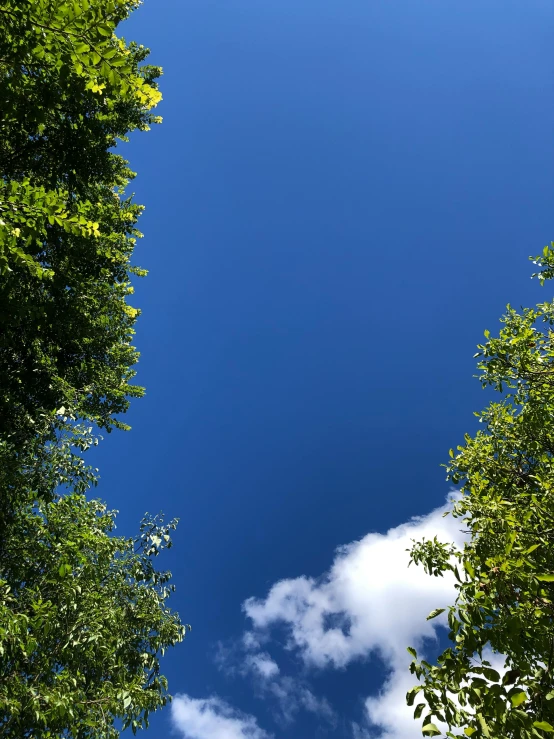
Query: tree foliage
[505, 571]
[83, 614]
[70, 89]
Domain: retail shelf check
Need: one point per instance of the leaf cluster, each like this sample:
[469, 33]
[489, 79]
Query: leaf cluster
[505, 572]
[70, 89]
[83, 614]
[84, 617]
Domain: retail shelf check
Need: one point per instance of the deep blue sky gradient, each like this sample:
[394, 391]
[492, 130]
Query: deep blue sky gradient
[342, 197]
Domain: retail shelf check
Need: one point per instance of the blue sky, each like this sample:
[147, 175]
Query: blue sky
[341, 198]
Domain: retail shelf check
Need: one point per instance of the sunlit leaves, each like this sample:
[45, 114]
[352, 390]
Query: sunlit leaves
[83, 621]
[70, 90]
[518, 698]
[543, 726]
[83, 614]
[430, 730]
[504, 574]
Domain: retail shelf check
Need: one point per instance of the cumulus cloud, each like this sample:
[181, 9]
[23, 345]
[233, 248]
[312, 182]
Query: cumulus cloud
[212, 718]
[369, 602]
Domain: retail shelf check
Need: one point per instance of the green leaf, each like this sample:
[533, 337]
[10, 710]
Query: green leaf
[510, 543]
[435, 613]
[483, 724]
[430, 730]
[532, 548]
[491, 674]
[411, 694]
[413, 652]
[543, 725]
[546, 577]
[510, 677]
[518, 698]
[64, 570]
[469, 731]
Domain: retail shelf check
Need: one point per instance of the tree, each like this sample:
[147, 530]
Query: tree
[83, 614]
[505, 571]
[70, 89]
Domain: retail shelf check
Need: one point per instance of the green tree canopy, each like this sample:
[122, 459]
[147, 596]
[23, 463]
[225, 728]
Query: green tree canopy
[70, 89]
[83, 614]
[505, 572]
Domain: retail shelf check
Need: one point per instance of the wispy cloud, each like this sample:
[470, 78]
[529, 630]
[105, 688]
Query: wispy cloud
[212, 718]
[288, 694]
[263, 665]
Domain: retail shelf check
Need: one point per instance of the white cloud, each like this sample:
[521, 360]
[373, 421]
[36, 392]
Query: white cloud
[388, 712]
[212, 718]
[368, 602]
[262, 664]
